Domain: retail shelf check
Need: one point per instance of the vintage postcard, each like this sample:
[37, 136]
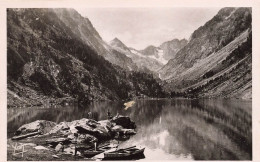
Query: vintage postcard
[130, 80]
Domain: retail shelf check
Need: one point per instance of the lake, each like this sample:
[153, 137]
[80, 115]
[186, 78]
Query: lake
[169, 129]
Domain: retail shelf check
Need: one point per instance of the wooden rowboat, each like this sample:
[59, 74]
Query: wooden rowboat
[91, 153]
[125, 154]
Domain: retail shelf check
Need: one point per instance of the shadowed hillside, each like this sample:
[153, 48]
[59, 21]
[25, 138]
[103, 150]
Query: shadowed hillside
[217, 61]
[47, 60]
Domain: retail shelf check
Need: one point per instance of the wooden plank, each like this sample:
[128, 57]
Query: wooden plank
[103, 145]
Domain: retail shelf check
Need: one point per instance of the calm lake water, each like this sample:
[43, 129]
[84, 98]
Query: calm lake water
[169, 129]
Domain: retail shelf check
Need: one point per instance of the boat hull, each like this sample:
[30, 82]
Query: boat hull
[138, 154]
[90, 154]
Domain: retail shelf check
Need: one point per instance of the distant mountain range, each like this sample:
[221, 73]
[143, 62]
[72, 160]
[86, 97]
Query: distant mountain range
[144, 63]
[57, 53]
[165, 51]
[151, 58]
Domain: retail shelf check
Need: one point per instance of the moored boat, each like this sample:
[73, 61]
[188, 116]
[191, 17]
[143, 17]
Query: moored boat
[103, 148]
[125, 154]
[91, 153]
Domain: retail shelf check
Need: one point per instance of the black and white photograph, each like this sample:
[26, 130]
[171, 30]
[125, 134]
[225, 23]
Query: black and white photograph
[129, 83]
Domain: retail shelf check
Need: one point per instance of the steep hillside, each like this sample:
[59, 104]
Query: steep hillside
[170, 48]
[84, 30]
[144, 63]
[154, 53]
[165, 51]
[47, 62]
[150, 50]
[213, 63]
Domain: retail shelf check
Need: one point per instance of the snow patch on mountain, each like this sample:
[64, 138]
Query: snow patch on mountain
[160, 57]
[137, 53]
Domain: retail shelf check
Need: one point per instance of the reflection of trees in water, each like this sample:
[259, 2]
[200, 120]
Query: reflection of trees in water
[235, 122]
[209, 129]
[99, 109]
[232, 123]
[204, 148]
[18, 117]
[144, 112]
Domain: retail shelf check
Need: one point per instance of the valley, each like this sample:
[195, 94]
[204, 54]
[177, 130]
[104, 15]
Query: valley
[74, 94]
[58, 54]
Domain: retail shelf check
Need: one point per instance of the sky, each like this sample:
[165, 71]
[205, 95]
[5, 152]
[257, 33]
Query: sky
[141, 27]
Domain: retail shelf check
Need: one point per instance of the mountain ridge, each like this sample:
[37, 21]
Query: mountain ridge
[144, 63]
[84, 29]
[56, 54]
[229, 29]
[166, 51]
[171, 47]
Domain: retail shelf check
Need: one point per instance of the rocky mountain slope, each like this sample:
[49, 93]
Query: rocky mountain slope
[47, 61]
[170, 48]
[165, 51]
[83, 29]
[56, 54]
[119, 45]
[154, 53]
[151, 58]
[144, 63]
[217, 61]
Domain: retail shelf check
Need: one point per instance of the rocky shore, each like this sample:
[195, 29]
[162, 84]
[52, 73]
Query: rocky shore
[58, 141]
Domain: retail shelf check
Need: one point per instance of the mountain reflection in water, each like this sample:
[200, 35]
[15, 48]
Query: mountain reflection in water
[170, 129]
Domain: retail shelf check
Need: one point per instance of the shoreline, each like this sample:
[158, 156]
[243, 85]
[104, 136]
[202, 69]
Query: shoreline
[83, 133]
[63, 103]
